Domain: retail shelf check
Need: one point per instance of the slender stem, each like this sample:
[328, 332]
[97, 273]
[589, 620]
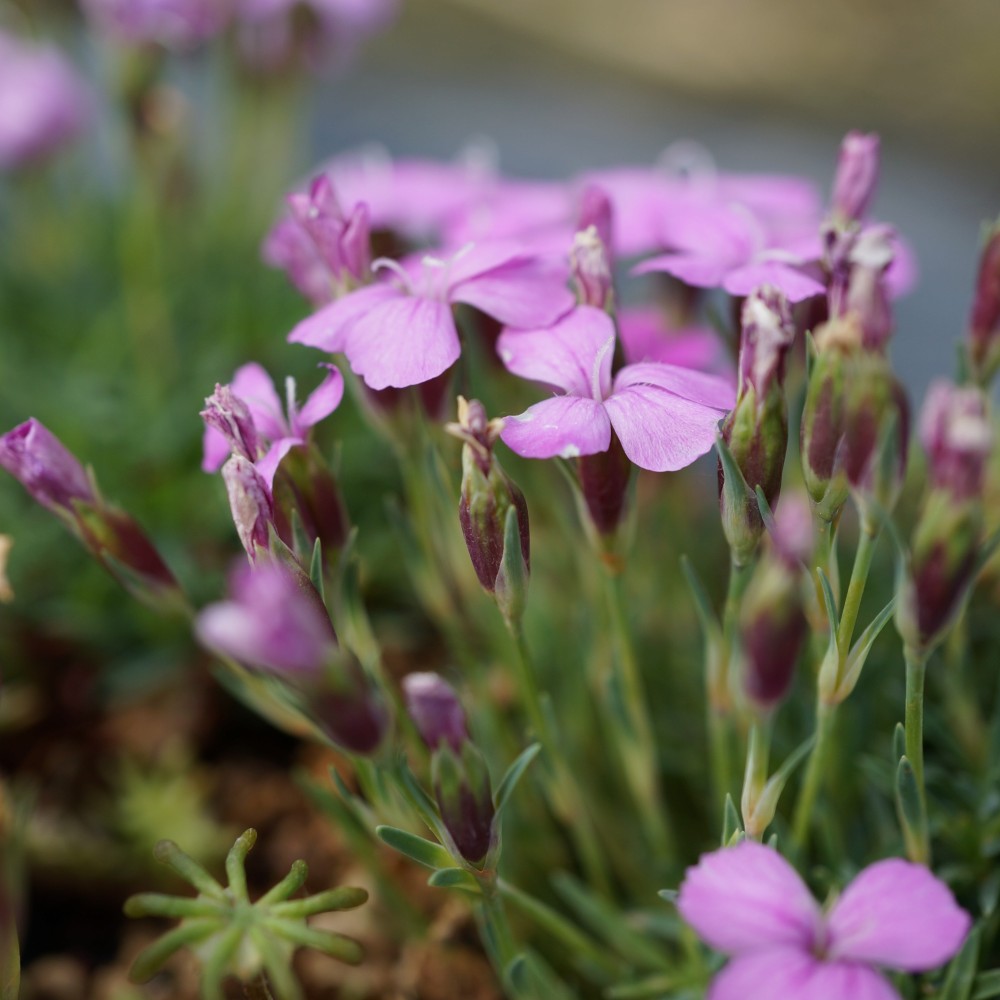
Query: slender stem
[814, 774]
[636, 739]
[498, 938]
[755, 775]
[916, 664]
[567, 801]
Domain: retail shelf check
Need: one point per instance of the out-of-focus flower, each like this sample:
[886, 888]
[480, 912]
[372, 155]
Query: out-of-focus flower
[647, 336]
[435, 710]
[748, 902]
[251, 503]
[984, 318]
[273, 620]
[402, 332]
[43, 102]
[857, 176]
[275, 33]
[246, 416]
[725, 246]
[958, 437]
[174, 24]
[664, 416]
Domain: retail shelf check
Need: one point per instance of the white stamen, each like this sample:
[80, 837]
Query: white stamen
[388, 264]
[595, 372]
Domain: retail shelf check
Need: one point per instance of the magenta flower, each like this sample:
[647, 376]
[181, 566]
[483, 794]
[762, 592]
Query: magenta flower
[43, 103]
[664, 416]
[401, 331]
[272, 428]
[646, 336]
[174, 24]
[271, 621]
[43, 465]
[716, 245]
[748, 902]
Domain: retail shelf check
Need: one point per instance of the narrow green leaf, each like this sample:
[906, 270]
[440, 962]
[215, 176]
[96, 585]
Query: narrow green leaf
[149, 960]
[732, 827]
[706, 616]
[830, 603]
[899, 741]
[316, 568]
[290, 884]
[235, 861]
[766, 514]
[420, 850]
[986, 985]
[530, 977]
[168, 853]
[455, 878]
[155, 904]
[961, 975]
[908, 801]
[859, 654]
[345, 897]
[653, 988]
[514, 774]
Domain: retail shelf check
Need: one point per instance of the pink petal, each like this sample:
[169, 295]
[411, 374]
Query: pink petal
[744, 898]
[527, 292]
[791, 974]
[645, 336]
[711, 230]
[897, 914]
[215, 449]
[714, 391]
[403, 341]
[660, 431]
[793, 282]
[563, 355]
[323, 400]
[268, 465]
[701, 272]
[566, 426]
[328, 328]
[904, 270]
[256, 388]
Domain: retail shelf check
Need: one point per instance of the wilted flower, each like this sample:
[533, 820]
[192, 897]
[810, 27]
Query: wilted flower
[402, 332]
[43, 103]
[748, 902]
[250, 502]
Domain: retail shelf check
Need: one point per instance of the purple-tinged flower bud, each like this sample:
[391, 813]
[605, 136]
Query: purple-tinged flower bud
[231, 417]
[274, 620]
[251, 504]
[349, 708]
[604, 480]
[465, 800]
[984, 319]
[34, 456]
[436, 711]
[289, 247]
[596, 211]
[858, 285]
[857, 175]
[487, 494]
[590, 264]
[958, 437]
[756, 430]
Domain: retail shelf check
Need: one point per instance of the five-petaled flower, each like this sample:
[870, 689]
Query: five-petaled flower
[665, 416]
[748, 902]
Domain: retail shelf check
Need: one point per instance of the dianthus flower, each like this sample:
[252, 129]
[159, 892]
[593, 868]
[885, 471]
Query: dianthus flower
[665, 416]
[401, 331]
[749, 903]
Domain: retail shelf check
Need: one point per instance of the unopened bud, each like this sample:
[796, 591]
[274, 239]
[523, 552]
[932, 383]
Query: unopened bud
[984, 319]
[349, 708]
[231, 416]
[596, 211]
[465, 799]
[590, 264]
[957, 436]
[866, 295]
[756, 430]
[604, 480]
[857, 175]
[435, 709]
[251, 504]
[487, 494]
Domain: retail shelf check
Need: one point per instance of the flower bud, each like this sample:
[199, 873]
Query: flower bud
[604, 479]
[34, 456]
[957, 436]
[857, 175]
[435, 710]
[984, 319]
[596, 211]
[251, 504]
[465, 800]
[866, 296]
[349, 708]
[590, 265]
[773, 624]
[230, 415]
[487, 493]
[756, 430]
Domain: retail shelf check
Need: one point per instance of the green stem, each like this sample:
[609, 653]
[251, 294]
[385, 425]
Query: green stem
[498, 938]
[634, 733]
[755, 775]
[916, 664]
[814, 774]
[566, 799]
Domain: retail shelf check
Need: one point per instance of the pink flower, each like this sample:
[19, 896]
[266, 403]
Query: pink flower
[43, 103]
[402, 332]
[281, 428]
[665, 416]
[716, 245]
[646, 336]
[174, 24]
[748, 902]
